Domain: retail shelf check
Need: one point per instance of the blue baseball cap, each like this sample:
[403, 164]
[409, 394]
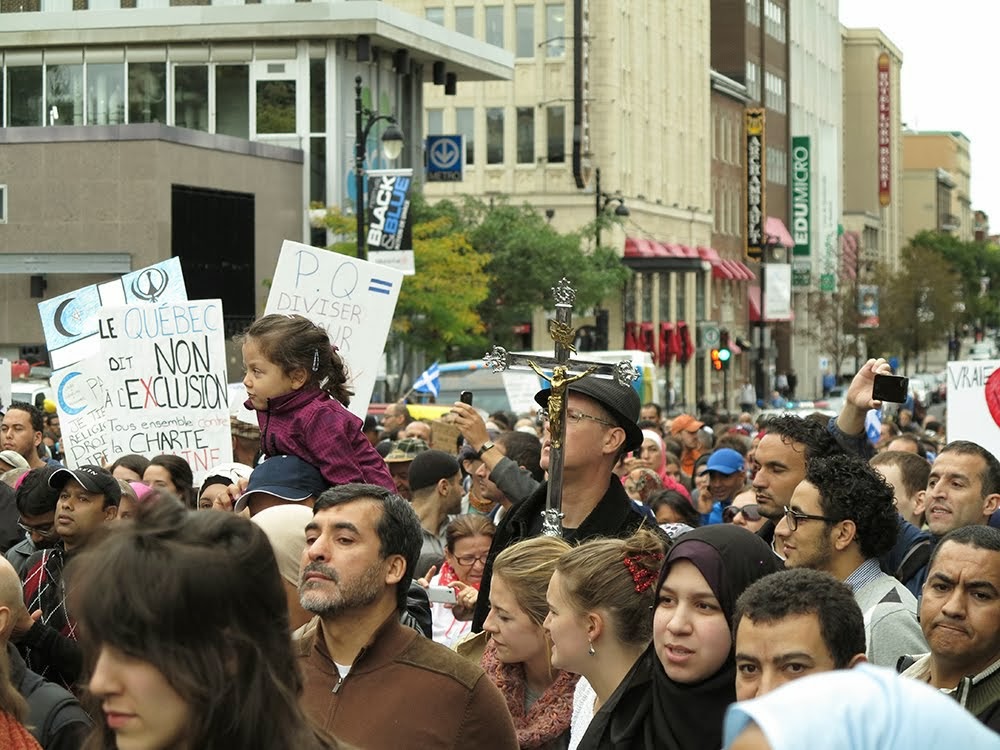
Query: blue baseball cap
[286, 477]
[724, 461]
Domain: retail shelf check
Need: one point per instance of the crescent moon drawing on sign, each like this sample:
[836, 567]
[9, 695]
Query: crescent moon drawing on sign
[62, 398]
[57, 319]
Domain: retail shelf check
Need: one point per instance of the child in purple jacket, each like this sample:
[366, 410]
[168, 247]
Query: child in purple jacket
[297, 383]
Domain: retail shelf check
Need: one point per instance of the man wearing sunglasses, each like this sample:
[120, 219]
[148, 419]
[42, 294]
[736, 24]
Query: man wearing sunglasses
[840, 518]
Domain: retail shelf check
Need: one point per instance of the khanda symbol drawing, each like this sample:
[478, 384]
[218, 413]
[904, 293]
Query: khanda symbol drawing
[150, 284]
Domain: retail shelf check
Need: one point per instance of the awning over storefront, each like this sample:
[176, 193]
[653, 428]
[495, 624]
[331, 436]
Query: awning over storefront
[724, 268]
[778, 232]
[651, 255]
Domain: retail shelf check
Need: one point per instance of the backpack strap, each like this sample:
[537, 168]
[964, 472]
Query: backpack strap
[916, 558]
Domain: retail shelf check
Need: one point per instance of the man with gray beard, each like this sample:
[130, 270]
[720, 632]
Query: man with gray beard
[362, 668]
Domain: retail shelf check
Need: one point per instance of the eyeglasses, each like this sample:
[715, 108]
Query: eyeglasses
[45, 530]
[468, 560]
[792, 517]
[750, 513]
[574, 416]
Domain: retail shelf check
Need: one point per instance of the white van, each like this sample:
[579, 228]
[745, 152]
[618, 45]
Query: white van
[490, 395]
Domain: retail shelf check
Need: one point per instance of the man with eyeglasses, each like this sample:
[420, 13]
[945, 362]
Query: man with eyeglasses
[840, 519]
[601, 427]
[36, 508]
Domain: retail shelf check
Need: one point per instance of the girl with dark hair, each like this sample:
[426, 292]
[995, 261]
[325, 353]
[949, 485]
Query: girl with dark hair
[676, 694]
[670, 506]
[297, 383]
[130, 467]
[200, 657]
[172, 473]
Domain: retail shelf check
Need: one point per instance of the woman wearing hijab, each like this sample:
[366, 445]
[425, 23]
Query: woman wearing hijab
[864, 708]
[676, 694]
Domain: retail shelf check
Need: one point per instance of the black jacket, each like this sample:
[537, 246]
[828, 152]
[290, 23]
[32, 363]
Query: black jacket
[55, 716]
[615, 516]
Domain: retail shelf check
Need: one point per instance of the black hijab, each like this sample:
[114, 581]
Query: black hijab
[649, 710]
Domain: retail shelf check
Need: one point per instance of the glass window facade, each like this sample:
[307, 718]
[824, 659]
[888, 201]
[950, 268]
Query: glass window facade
[524, 24]
[275, 107]
[525, 135]
[232, 100]
[191, 97]
[555, 126]
[24, 96]
[64, 94]
[494, 135]
[147, 92]
[435, 15]
[465, 20]
[465, 124]
[435, 122]
[106, 94]
[555, 30]
[494, 25]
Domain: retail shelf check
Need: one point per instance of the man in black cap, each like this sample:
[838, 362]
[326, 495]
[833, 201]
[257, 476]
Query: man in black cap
[601, 427]
[436, 494]
[46, 633]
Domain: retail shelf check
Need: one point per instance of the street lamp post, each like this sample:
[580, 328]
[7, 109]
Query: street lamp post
[392, 147]
[601, 203]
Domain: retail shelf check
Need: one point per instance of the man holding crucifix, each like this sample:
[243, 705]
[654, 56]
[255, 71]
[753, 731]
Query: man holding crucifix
[598, 423]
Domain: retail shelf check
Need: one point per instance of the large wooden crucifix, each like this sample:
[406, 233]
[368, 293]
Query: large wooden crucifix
[564, 371]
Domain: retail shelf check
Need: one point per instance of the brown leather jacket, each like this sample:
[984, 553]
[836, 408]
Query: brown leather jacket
[403, 691]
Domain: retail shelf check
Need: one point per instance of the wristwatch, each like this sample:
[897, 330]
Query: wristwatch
[488, 445]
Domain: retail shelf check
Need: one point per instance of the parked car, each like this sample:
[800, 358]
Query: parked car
[982, 350]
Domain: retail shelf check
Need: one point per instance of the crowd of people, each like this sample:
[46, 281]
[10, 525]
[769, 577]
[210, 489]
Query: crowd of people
[345, 583]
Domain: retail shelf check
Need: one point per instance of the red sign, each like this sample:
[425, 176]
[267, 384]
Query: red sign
[884, 131]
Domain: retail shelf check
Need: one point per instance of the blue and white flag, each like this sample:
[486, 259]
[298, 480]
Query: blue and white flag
[429, 381]
[873, 426]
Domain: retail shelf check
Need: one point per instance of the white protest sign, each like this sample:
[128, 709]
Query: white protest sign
[974, 403]
[5, 383]
[351, 299]
[521, 388]
[161, 371]
[69, 321]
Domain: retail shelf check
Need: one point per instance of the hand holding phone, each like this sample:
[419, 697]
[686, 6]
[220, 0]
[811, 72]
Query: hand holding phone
[892, 388]
[442, 594]
[466, 397]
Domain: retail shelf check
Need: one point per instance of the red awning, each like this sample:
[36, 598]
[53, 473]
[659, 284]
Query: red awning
[722, 270]
[637, 247]
[745, 271]
[776, 230]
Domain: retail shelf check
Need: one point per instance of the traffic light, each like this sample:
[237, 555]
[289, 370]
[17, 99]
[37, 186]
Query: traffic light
[725, 353]
[717, 359]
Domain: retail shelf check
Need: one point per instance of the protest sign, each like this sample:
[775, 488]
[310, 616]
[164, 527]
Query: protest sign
[5, 389]
[974, 403]
[351, 299]
[157, 385]
[69, 321]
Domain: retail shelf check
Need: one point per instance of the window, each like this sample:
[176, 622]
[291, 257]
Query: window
[3, 204]
[64, 94]
[524, 17]
[191, 97]
[24, 95]
[753, 12]
[317, 95]
[435, 122]
[147, 87]
[232, 100]
[774, 92]
[555, 30]
[465, 21]
[753, 80]
[275, 107]
[494, 25]
[777, 165]
[106, 94]
[494, 135]
[774, 20]
[555, 126]
[465, 124]
[525, 135]
[435, 15]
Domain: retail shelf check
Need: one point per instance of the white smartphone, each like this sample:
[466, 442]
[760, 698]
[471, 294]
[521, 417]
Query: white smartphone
[442, 594]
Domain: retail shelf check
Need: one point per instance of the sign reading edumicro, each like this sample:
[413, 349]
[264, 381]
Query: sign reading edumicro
[389, 209]
[884, 131]
[755, 166]
[801, 196]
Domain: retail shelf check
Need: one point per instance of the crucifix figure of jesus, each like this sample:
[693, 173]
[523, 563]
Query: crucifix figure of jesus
[564, 371]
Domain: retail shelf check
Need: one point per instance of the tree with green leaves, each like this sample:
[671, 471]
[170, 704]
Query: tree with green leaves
[917, 305]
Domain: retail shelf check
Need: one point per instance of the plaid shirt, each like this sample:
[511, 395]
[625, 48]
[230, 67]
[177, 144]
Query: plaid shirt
[45, 590]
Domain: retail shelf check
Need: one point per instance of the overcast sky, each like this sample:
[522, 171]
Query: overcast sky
[951, 61]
